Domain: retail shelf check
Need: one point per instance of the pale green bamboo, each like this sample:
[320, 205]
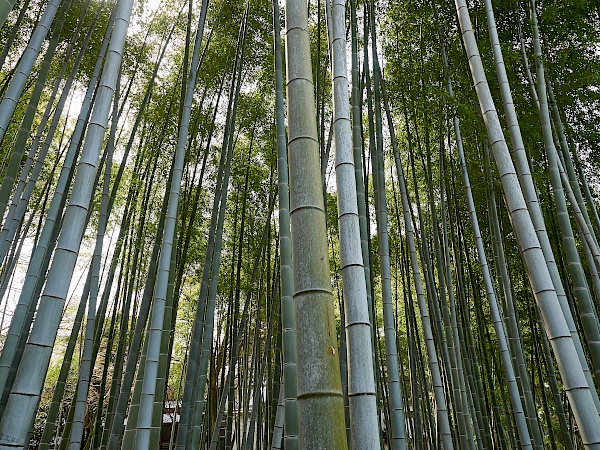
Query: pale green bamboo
[360, 175]
[568, 161]
[130, 434]
[22, 340]
[249, 439]
[86, 365]
[163, 358]
[395, 400]
[116, 394]
[38, 290]
[357, 143]
[591, 250]
[116, 427]
[452, 321]
[320, 402]
[568, 441]
[194, 348]
[574, 184]
[22, 403]
[102, 441]
[123, 228]
[572, 372]
[46, 239]
[167, 334]
[17, 211]
[14, 31]
[506, 292]
[6, 7]
[242, 325]
[59, 389]
[588, 195]
[440, 308]
[505, 354]
[364, 430]
[277, 441]
[23, 228]
[532, 89]
[274, 380]
[478, 395]
[424, 252]
[227, 153]
[20, 203]
[95, 434]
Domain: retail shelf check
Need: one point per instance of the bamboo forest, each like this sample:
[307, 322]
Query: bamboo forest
[300, 224]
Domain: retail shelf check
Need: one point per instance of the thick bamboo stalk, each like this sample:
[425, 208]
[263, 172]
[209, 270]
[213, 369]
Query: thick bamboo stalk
[86, 366]
[27, 182]
[395, 406]
[51, 418]
[14, 163]
[530, 195]
[320, 402]
[361, 385]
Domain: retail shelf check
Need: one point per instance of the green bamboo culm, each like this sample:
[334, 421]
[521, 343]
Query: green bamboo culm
[41, 252]
[288, 314]
[395, 401]
[531, 200]
[87, 359]
[122, 397]
[208, 290]
[530, 195]
[29, 178]
[321, 420]
[364, 430]
[51, 418]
